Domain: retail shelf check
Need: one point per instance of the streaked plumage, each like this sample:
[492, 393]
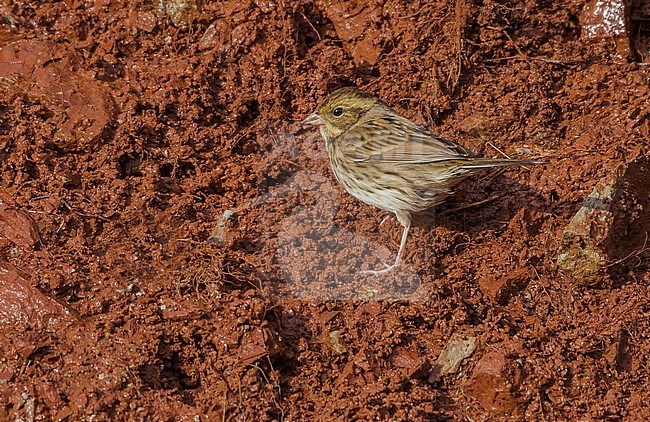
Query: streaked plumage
[388, 161]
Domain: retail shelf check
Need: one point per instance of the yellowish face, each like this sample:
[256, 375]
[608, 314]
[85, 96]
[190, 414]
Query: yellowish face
[341, 110]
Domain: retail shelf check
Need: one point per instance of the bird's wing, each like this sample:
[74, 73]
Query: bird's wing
[391, 138]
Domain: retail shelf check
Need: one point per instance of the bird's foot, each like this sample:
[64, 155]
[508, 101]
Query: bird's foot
[387, 269]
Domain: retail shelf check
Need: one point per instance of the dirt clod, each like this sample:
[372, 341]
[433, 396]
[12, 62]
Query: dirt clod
[494, 384]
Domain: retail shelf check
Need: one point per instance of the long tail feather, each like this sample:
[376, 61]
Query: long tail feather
[483, 163]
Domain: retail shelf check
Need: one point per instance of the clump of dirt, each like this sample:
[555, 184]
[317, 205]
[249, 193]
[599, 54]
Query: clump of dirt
[173, 244]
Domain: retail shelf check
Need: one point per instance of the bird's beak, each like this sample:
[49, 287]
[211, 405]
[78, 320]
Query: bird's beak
[314, 119]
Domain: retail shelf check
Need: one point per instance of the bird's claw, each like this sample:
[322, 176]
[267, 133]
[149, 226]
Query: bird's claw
[387, 268]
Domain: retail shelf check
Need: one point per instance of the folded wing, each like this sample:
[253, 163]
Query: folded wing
[391, 138]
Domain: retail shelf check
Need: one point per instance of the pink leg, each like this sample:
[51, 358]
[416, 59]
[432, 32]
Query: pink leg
[405, 219]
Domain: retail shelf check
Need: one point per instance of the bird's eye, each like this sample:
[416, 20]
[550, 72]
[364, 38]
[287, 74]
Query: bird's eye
[338, 112]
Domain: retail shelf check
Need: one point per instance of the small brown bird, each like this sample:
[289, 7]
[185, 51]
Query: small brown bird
[388, 161]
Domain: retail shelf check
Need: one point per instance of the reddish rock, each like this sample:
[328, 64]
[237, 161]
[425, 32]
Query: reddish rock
[609, 20]
[216, 35]
[354, 26]
[253, 346]
[494, 384]
[24, 305]
[501, 289]
[410, 362]
[82, 109]
[17, 227]
[146, 21]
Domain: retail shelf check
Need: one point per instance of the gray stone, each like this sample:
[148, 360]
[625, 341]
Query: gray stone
[610, 231]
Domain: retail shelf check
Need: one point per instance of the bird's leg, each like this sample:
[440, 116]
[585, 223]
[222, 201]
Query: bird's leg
[405, 235]
[404, 218]
[384, 220]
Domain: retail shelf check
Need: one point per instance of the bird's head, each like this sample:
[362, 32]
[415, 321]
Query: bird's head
[341, 110]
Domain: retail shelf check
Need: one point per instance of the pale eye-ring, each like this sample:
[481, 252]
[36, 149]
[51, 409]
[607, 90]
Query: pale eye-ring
[337, 112]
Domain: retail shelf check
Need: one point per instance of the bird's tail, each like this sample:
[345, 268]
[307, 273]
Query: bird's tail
[484, 163]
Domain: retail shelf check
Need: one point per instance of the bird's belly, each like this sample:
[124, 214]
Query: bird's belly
[387, 191]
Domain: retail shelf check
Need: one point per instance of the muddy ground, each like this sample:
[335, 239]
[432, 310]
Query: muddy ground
[175, 247]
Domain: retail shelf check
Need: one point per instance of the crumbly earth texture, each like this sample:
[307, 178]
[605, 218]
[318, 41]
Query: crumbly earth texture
[175, 247]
